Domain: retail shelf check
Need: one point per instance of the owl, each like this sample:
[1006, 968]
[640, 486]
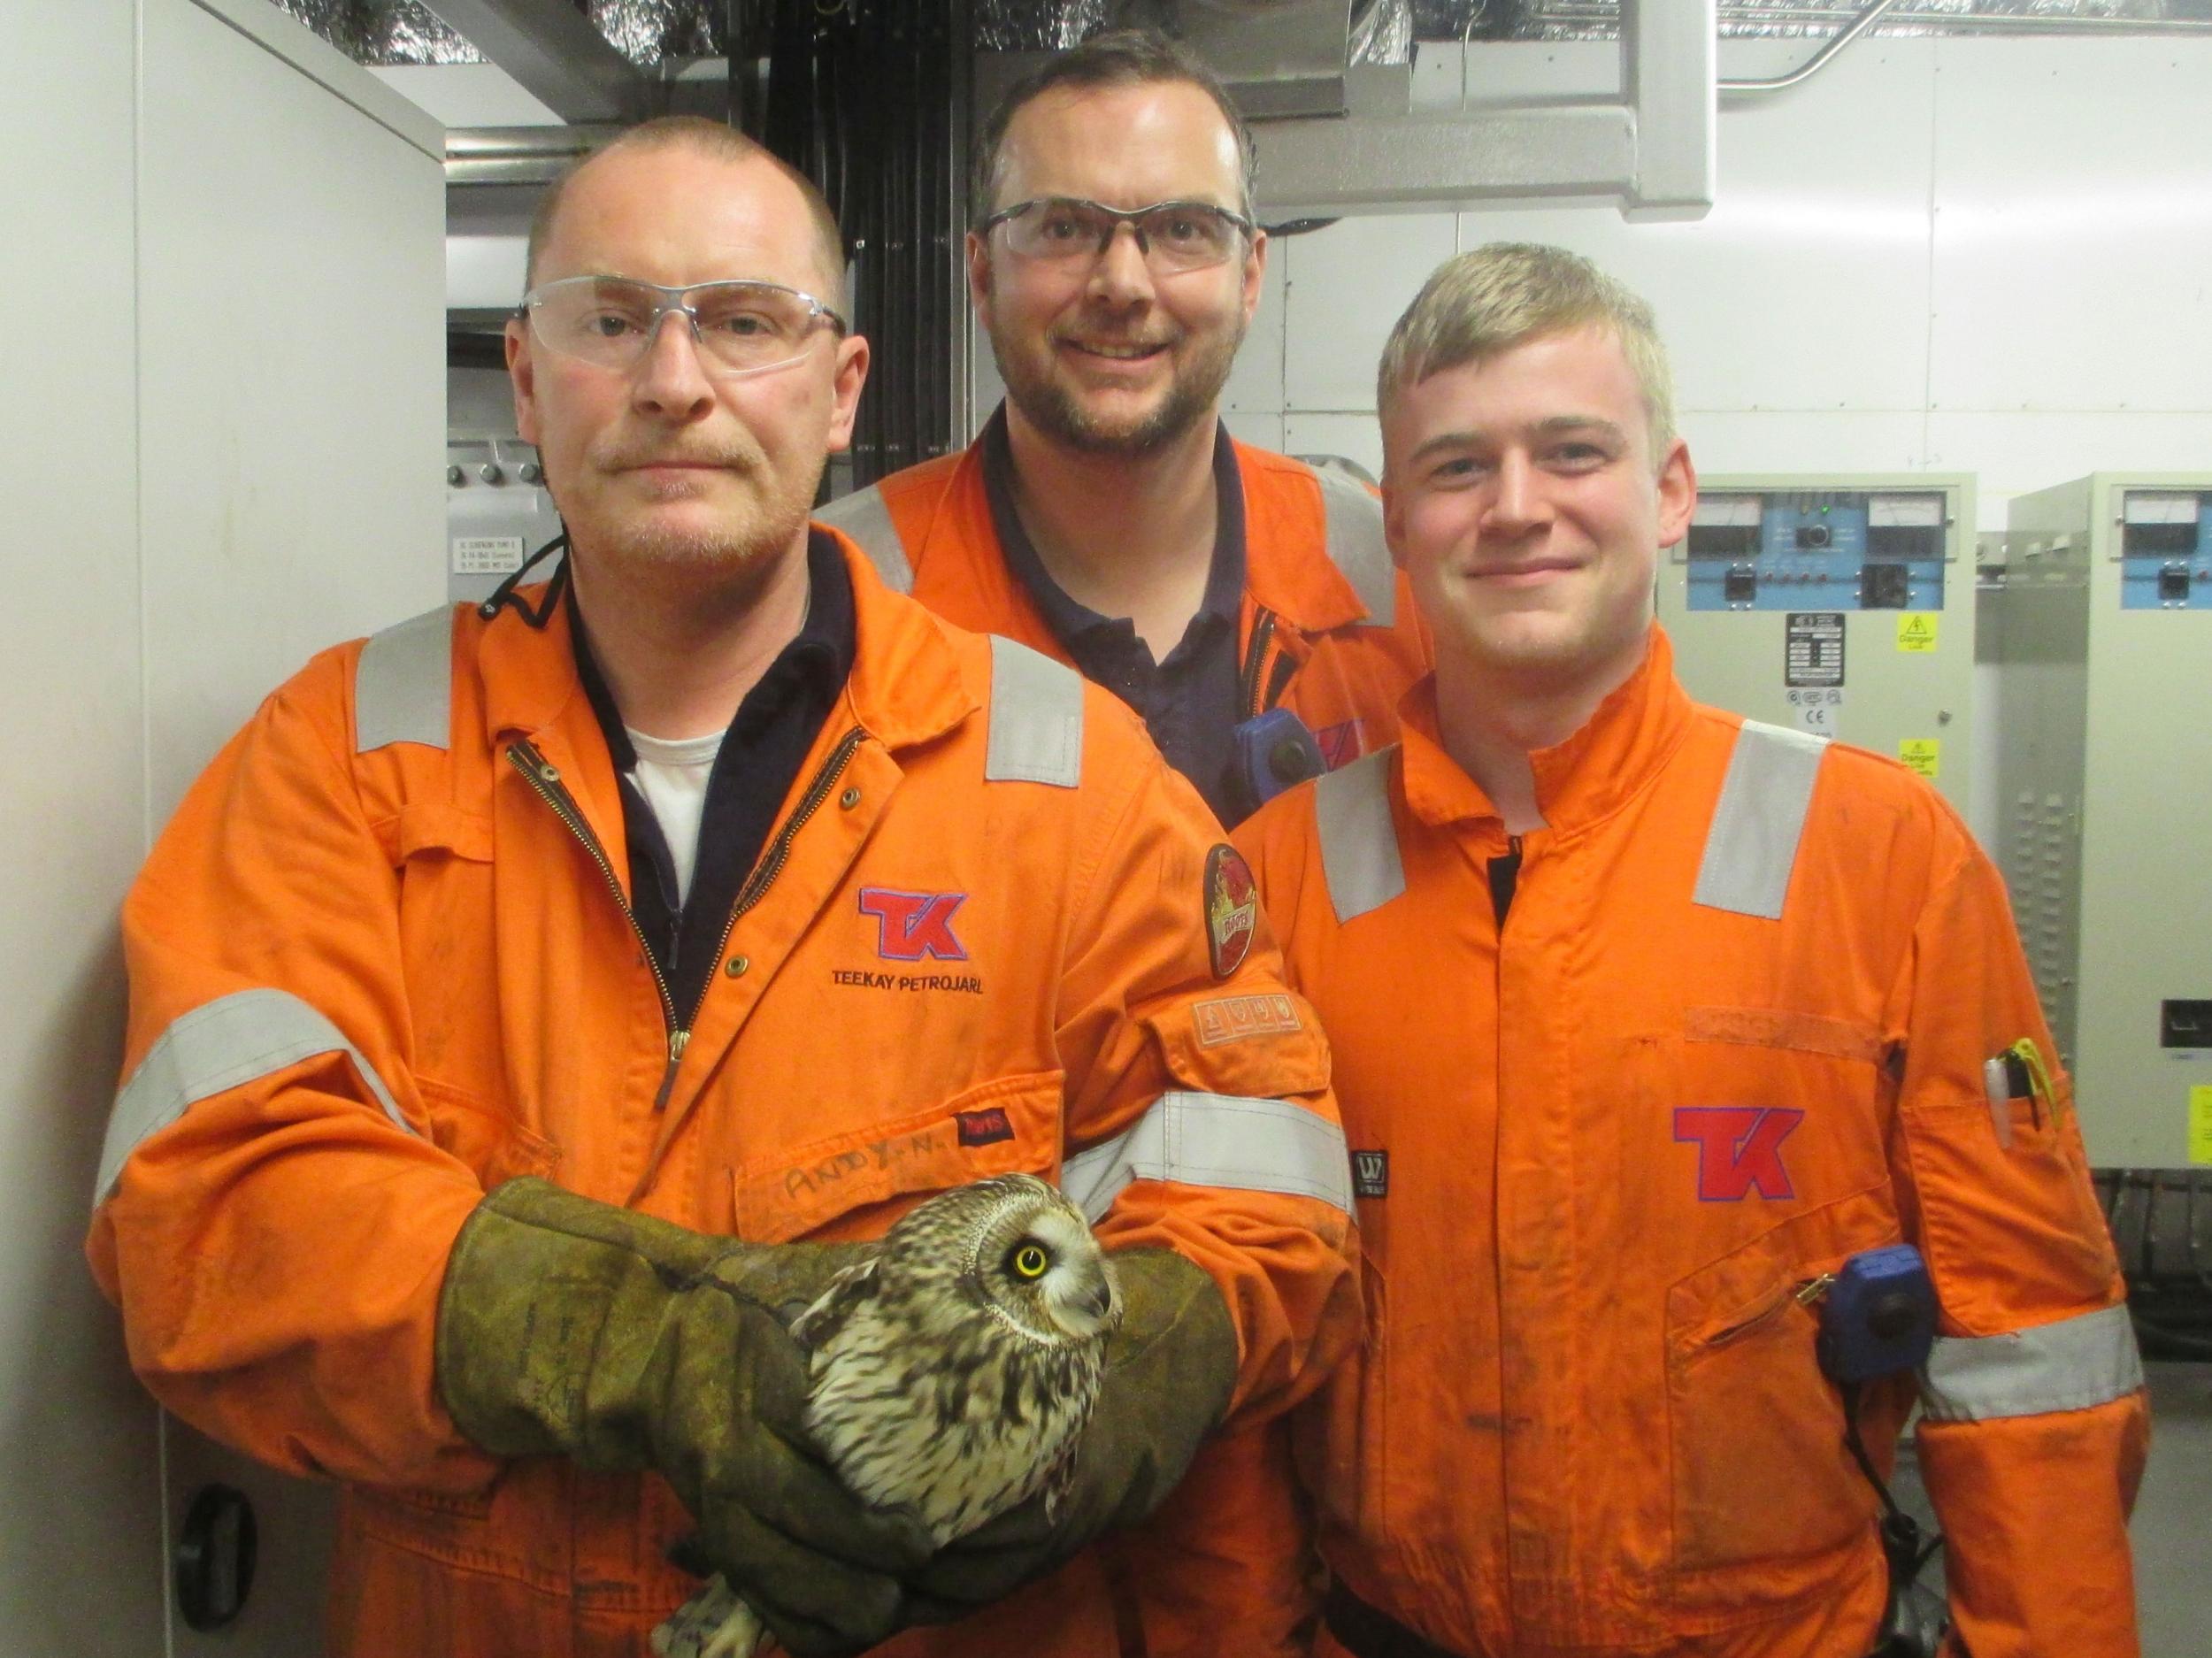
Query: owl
[952, 1373]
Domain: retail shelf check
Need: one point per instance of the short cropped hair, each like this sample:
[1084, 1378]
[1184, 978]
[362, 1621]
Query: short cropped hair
[708, 138]
[1505, 294]
[1122, 57]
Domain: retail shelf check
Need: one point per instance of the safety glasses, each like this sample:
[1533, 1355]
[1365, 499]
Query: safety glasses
[1172, 237]
[740, 327]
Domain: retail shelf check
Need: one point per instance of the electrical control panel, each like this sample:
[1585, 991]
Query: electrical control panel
[1840, 604]
[2165, 549]
[2097, 622]
[1818, 549]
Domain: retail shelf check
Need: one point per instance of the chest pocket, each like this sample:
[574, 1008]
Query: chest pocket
[839, 1184]
[442, 858]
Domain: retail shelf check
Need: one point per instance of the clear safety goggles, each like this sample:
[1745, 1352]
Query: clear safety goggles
[740, 327]
[1068, 231]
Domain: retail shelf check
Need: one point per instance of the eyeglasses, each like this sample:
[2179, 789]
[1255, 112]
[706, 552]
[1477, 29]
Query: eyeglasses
[740, 327]
[1066, 230]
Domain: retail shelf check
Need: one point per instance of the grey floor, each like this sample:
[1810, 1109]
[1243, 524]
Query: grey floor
[2172, 1529]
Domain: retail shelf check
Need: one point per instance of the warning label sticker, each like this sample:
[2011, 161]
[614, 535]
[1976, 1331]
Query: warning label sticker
[1924, 755]
[1812, 649]
[1917, 630]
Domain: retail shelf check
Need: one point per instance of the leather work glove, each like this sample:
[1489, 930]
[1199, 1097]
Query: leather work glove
[623, 1341]
[1171, 1367]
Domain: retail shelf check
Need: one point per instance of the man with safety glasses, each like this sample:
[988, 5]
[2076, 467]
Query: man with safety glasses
[532, 1003]
[1104, 516]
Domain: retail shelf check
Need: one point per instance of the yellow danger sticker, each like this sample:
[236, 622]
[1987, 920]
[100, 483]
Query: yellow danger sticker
[1917, 630]
[1924, 755]
[2200, 1124]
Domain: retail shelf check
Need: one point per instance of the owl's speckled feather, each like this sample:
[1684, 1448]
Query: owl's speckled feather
[947, 1379]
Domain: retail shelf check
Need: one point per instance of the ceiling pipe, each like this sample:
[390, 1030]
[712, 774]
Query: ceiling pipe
[1812, 65]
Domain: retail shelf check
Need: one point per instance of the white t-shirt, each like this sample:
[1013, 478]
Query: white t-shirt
[672, 774]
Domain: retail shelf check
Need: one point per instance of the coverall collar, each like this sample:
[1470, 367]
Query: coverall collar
[905, 686]
[1579, 782]
[1286, 568]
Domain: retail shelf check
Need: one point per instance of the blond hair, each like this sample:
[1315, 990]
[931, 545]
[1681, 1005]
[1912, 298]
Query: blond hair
[1476, 305]
[704, 137]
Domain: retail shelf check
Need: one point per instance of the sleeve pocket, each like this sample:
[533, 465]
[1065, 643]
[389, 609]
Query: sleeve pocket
[494, 1145]
[1009, 1126]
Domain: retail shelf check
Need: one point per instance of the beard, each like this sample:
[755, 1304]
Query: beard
[1056, 410]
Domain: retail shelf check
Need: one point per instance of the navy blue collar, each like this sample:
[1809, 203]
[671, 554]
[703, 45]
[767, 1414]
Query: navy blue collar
[1071, 621]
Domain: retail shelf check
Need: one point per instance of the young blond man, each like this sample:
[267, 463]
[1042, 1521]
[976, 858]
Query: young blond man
[1647, 1020]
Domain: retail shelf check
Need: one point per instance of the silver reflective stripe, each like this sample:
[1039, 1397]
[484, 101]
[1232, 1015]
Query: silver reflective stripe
[1359, 843]
[1036, 718]
[1216, 1140]
[1354, 520]
[403, 690]
[1752, 845]
[864, 516]
[2069, 1366]
[219, 1044]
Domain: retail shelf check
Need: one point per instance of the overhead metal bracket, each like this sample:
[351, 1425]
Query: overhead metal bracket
[1651, 148]
[558, 57]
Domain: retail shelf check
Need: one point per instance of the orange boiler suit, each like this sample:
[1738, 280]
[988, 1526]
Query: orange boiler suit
[382, 959]
[1731, 1031]
[1326, 627]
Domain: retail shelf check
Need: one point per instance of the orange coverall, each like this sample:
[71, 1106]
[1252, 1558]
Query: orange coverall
[382, 960]
[1732, 1031]
[1327, 627]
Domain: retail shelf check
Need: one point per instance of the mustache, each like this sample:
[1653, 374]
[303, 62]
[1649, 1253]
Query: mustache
[622, 457]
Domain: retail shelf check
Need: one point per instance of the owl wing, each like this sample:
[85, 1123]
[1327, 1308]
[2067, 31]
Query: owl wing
[848, 1290]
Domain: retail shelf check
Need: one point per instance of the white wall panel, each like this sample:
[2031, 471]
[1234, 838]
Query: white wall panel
[1765, 441]
[1345, 286]
[294, 500]
[79, 1532]
[1355, 436]
[1807, 286]
[2074, 187]
[1256, 379]
[2014, 453]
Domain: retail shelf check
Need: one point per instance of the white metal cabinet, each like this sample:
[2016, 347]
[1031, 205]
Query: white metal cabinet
[221, 420]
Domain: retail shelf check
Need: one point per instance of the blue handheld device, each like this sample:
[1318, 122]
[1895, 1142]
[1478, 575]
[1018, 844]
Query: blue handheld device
[1878, 1317]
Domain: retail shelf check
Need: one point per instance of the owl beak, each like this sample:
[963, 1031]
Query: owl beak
[1098, 1300]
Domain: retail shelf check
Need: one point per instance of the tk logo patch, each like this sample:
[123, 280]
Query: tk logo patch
[912, 926]
[1738, 1149]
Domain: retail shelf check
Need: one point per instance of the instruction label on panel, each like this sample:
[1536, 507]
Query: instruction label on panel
[487, 554]
[1924, 755]
[1818, 709]
[1812, 649]
[1917, 630]
[2200, 1124]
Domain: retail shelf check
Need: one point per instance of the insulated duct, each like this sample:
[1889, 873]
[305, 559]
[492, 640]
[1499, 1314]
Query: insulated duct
[651, 32]
[1056, 25]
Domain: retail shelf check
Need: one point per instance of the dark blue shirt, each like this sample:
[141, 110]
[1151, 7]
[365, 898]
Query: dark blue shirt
[754, 770]
[1190, 703]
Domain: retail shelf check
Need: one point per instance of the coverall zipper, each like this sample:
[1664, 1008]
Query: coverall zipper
[771, 862]
[545, 778]
[1260, 689]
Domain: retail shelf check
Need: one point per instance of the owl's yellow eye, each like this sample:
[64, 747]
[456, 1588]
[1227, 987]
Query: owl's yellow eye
[1029, 1262]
